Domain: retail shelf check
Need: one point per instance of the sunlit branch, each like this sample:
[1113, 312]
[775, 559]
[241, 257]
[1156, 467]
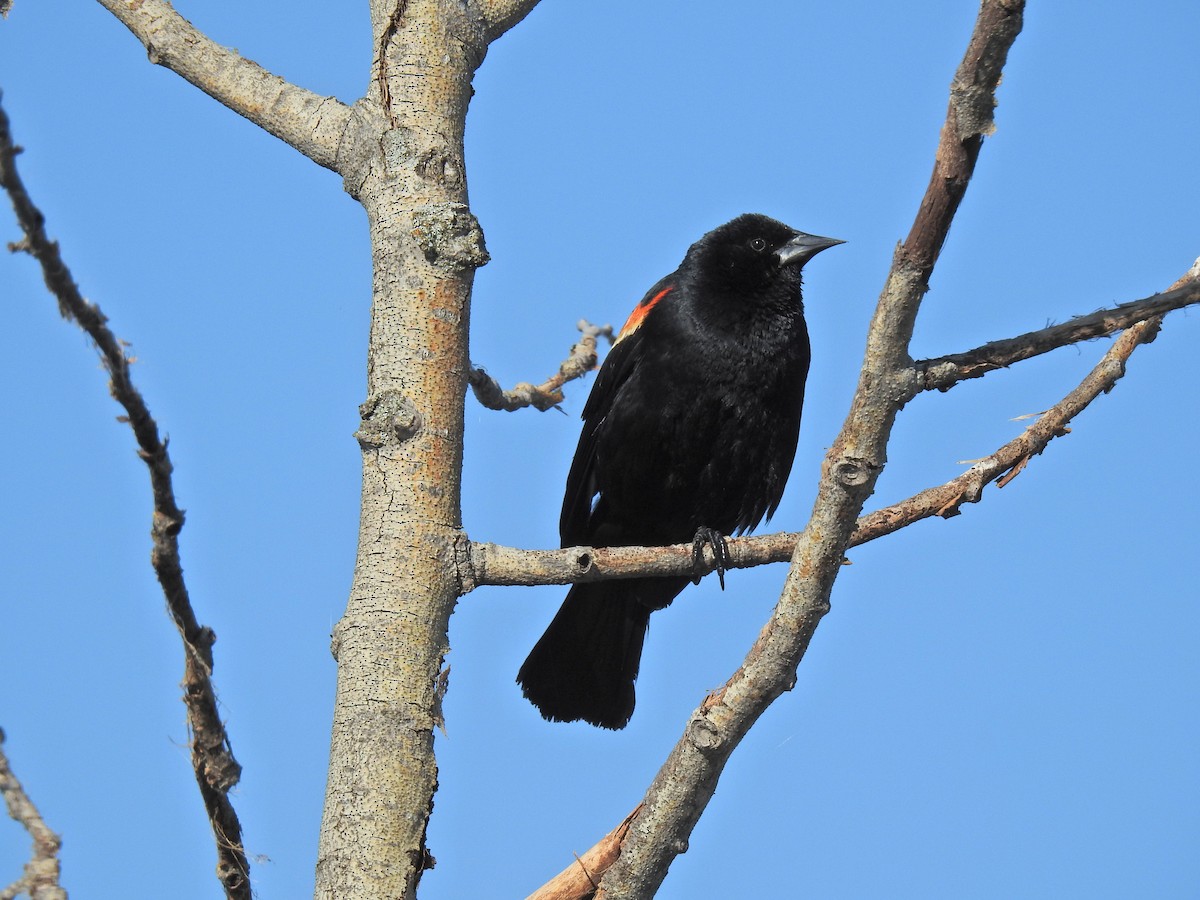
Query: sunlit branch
[581, 360]
[944, 372]
[306, 121]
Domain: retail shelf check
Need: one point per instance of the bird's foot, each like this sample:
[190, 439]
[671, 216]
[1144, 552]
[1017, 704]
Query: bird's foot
[716, 540]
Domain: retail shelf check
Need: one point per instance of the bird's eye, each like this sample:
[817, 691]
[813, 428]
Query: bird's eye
[758, 245]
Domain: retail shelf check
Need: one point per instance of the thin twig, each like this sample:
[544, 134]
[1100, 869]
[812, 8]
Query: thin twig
[212, 757]
[41, 877]
[1007, 462]
[581, 360]
[943, 372]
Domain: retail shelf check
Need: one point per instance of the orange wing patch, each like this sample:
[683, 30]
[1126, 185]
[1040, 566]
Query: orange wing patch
[638, 316]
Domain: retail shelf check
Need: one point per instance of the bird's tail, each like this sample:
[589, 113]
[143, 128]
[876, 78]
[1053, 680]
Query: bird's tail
[585, 664]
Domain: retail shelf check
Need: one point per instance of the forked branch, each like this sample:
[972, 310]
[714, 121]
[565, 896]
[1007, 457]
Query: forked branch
[501, 15]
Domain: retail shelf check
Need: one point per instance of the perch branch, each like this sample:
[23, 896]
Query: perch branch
[212, 757]
[580, 361]
[492, 564]
[300, 118]
[40, 880]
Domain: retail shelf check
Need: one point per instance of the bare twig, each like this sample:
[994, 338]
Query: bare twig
[1007, 462]
[307, 121]
[212, 757]
[944, 372]
[41, 876]
[548, 394]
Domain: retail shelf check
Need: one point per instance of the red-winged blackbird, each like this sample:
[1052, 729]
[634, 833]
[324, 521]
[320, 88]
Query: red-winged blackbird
[690, 430]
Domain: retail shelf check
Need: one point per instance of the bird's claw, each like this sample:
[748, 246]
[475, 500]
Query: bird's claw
[721, 558]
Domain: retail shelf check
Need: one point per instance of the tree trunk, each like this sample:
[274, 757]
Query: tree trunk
[408, 174]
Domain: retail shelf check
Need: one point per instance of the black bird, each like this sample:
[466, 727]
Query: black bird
[689, 431]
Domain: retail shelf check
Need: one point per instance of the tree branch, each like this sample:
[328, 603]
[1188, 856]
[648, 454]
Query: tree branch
[943, 372]
[580, 879]
[684, 785]
[41, 877]
[501, 15]
[391, 642]
[581, 360]
[493, 564]
[212, 757]
[300, 118]
[945, 500]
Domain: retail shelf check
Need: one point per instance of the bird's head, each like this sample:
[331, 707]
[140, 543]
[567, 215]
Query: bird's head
[756, 257]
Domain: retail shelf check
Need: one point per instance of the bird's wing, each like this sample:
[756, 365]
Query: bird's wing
[575, 525]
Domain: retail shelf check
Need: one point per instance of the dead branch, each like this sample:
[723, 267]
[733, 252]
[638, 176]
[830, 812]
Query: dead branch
[41, 877]
[581, 360]
[944, 372]
[212, 757]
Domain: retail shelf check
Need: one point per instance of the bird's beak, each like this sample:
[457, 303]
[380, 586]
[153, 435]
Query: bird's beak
[804, 247]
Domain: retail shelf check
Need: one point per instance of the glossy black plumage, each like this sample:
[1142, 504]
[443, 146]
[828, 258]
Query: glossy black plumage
[692, 422]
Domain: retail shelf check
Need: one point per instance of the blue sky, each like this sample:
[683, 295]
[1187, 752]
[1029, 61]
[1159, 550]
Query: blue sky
[1003, 704]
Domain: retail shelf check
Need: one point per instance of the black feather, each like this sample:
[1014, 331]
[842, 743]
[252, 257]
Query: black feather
[692, 422]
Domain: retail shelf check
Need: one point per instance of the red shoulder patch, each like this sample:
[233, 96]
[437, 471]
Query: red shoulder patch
[634, 322]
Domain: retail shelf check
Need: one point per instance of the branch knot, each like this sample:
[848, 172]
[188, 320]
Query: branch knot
[851, 472]
[449, 236]
[390, 418]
